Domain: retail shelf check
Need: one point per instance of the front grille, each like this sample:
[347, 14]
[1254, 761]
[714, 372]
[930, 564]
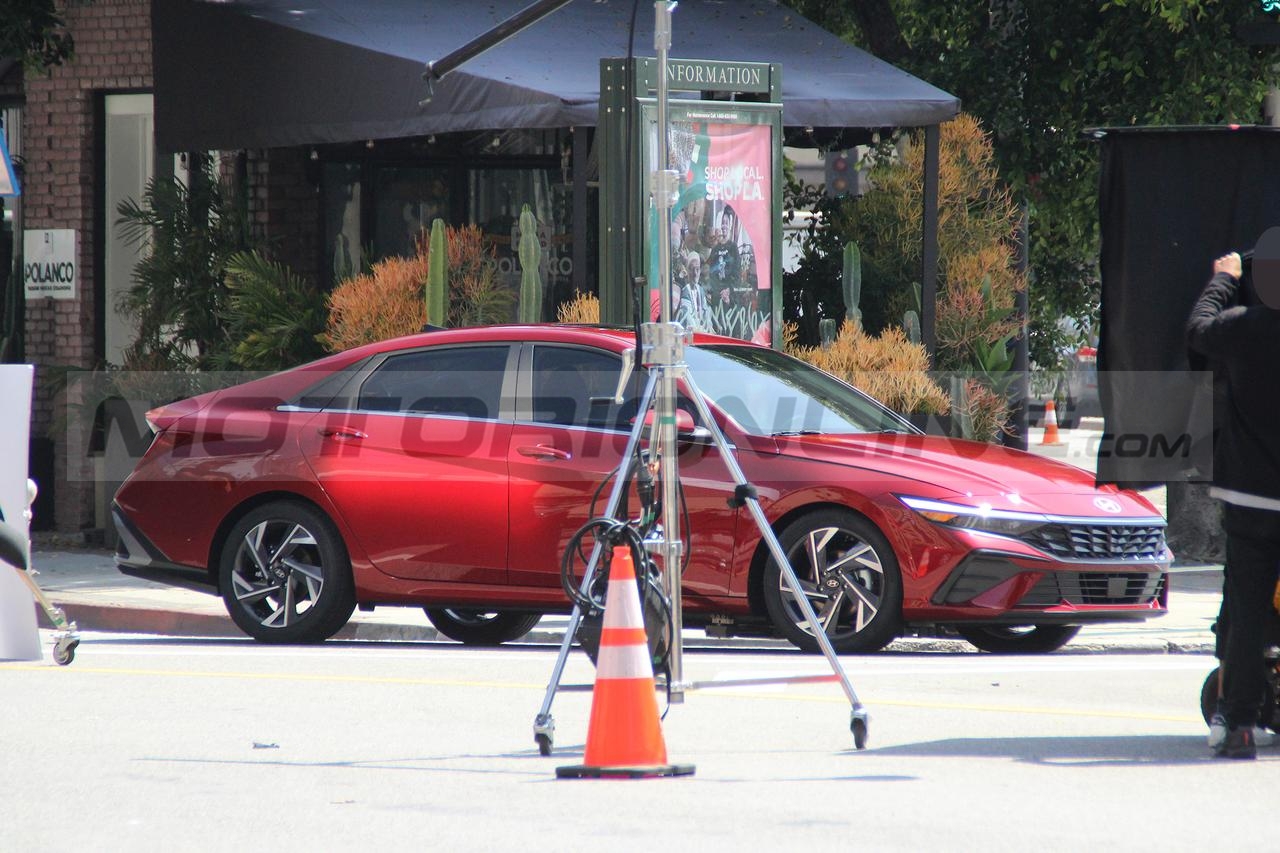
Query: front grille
[1100, 541]
[1078, 588]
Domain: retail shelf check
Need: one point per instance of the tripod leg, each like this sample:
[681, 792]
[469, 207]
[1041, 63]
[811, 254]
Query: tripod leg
[860, 719]
[68, 637]
[544, 725]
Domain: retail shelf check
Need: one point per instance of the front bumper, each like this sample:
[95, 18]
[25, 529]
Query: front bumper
[989, 586]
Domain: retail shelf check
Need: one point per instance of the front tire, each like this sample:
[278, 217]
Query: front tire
[1018, 639]
[285, 575]
[849, 574]
[481, 627]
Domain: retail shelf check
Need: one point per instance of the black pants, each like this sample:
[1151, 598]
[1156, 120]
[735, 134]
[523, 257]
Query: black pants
[1253, 558]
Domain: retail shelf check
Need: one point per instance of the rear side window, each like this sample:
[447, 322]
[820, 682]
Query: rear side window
[459, 381]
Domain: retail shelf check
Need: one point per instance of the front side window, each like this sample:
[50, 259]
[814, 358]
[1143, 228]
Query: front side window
[457, 382]
[769, 393]
[575, 387]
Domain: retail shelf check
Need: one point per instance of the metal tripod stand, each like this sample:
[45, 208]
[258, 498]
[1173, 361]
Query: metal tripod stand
[663, 353]
[661, 349]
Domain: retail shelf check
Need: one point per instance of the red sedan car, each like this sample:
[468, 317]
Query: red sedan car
[448, 470]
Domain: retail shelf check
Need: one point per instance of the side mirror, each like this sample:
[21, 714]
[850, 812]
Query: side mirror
[12, 549]
[685, 426]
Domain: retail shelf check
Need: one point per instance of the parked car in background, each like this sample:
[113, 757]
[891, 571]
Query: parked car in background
[449, 470]
[1081, 399]
[1073, 386]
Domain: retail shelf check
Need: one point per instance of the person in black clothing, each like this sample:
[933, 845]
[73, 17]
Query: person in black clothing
[1244, 340]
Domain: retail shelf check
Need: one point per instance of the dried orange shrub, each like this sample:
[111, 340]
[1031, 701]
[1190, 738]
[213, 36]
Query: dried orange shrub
[978, 277]
[888, 367]
[386, 302]
[986, 412]
[582, 309]
[476, 297]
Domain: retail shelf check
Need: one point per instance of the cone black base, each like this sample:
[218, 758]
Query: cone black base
[644, 771]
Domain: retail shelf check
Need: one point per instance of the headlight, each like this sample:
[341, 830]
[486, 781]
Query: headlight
[1001, 521]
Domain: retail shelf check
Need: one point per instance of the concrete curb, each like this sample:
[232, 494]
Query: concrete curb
[145, 620]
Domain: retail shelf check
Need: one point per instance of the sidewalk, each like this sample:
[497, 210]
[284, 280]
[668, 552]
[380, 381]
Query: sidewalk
[98, 597]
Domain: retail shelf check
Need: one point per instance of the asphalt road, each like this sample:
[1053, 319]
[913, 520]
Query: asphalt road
[171, 744]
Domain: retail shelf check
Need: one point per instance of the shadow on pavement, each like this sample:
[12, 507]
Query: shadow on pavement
[1117, 750]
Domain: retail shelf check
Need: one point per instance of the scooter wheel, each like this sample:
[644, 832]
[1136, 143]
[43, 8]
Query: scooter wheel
[1269, 716]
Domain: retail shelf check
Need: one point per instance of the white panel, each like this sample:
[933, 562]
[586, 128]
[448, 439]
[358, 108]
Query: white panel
[129, 165]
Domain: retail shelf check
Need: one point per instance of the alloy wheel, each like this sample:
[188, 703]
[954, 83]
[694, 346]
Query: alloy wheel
[278, 575]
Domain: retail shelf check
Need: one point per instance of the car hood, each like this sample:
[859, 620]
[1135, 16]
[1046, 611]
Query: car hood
[977, 473]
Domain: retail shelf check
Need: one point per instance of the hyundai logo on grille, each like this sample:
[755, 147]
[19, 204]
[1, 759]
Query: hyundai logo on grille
[1107, 504]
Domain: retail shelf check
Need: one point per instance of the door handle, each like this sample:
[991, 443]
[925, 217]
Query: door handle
[541, 451]
[341, 433]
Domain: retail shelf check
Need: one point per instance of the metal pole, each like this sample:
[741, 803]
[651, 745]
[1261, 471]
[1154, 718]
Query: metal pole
[665, 188]
[504, 30]
[929, 251]
[1021, 390]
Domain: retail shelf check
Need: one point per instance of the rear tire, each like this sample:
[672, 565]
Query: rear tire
[481, 627]
[1018, 639]
[285, 575]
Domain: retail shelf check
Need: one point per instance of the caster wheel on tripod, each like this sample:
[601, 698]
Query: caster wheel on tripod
[544, 744]
[859, 726]
[65, 654]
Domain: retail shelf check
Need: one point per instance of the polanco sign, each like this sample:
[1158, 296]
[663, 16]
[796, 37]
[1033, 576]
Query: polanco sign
[49, 269]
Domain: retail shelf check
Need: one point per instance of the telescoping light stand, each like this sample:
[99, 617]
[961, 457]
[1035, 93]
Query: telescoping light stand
[661, 351]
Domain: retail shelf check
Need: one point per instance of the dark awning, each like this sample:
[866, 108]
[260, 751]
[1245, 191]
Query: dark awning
[267, 73]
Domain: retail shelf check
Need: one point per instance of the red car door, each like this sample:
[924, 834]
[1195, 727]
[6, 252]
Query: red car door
[416, 462]
[568, 439]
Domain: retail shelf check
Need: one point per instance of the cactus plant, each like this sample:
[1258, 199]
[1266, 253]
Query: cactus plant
[852, 281]
[530, 257]
[826, 331]
[911, 325]
[437, 276]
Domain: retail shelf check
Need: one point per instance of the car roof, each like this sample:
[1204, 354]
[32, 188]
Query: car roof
[616, 338]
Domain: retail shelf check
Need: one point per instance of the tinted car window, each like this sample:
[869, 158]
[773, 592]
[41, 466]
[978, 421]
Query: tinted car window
[333, 391]
[460, 381]
[575, 387]
[769, 393]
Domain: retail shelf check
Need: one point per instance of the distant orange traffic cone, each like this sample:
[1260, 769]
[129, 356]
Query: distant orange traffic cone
[624, 736]
[1050, 425]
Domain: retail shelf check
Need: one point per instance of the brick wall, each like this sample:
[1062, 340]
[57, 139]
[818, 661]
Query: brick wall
[284, 206]
[113, 53]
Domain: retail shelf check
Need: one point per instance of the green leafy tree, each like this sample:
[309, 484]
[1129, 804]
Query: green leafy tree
[274, 317]
[33, 32]
[179, 294]
[1038, 73]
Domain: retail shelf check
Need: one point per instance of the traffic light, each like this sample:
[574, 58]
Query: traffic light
[841, 173]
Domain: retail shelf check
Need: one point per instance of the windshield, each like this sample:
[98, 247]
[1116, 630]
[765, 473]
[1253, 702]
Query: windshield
[769, 393]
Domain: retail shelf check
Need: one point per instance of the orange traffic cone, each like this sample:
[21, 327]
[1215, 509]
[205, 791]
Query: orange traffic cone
[1050, 425]
[624, 736]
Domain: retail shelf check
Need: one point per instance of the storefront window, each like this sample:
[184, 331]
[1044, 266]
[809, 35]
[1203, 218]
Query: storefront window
[405, 201]
[344, 250]
[496, 197]
[376, 210]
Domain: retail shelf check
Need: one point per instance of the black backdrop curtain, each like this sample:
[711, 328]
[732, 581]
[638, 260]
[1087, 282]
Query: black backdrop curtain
[1170, 201]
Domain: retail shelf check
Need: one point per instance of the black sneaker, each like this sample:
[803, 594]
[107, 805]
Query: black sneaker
[1239, 743]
